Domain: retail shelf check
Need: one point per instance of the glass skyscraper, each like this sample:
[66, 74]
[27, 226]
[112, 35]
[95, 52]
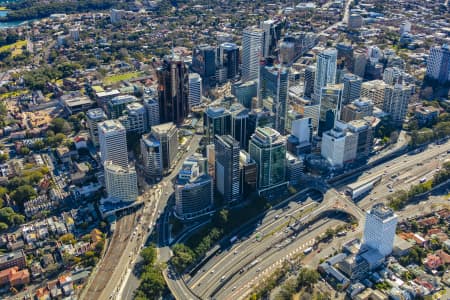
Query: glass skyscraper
[268, 148]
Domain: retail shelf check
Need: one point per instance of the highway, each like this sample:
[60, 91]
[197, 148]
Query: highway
[228, 264]
[159, 217]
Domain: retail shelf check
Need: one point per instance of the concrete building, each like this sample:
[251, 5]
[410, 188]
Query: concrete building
[117, 105]
[226, 150]
[173, 90]
[338, 147]
[325, 71]
[167, 135]
[356, 110]
[294, 45]
[195, 89]
[396, 102]
[116, 15]
[438, 64]
[273, 93]
[379, 229]
[268, 148]
[426, 115]
[152, 108]
[330, 106]
[375, 90]
[355, 21]
[93, 117]
[294, 168]
[120, 182]
[252, 52]
[217, 121]
[302, 129]
[359, 62]
[193, 190]
[151, 155]
[362, 129]
[135, 118]
[352, 88]
[113, 142]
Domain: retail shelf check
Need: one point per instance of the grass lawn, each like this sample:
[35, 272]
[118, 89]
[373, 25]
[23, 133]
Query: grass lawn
[12, 94]
[15, 48]
[121, 77]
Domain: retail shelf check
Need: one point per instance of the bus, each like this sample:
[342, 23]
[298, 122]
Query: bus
[308, 250]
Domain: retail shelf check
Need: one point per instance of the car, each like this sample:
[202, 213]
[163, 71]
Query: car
[212, 271]
[277, 216]
[234, 288]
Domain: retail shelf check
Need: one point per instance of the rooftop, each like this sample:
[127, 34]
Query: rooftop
[96, 114]
[110, 126]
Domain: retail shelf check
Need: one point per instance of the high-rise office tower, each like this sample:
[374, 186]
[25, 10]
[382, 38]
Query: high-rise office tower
[151, 155]
[134, 118]
[249, 173]
[268, 148]
[121, 182]
[274, 89]
[173, 89]
[204, 63]
[152, 108]
[227, 167]
[379, 229]
[339, 146]
[193, 190]
[272, 33]
[167, 135]
[244, 92]
[112, 137]
[217, 121]
[302, 129]
[95, 116]
[352, 88]
[228, 58]
[239, 123]
[252, 52]
[330, 106]
[195, 89]
[325, 71]
[438, 63]
[310, 74]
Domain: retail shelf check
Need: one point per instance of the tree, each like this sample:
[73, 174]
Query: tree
[59, 125]
[22, 194]
[152, 283]
[3, 226]
[24, 150]
[183, 256]
[307, 278]
[68, 238]
[149, 255]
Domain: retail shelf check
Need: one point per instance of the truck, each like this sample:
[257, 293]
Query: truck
[308, 250]
[233, 239]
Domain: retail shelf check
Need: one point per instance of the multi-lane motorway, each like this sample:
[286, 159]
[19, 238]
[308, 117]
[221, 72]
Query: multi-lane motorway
[226, 273]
